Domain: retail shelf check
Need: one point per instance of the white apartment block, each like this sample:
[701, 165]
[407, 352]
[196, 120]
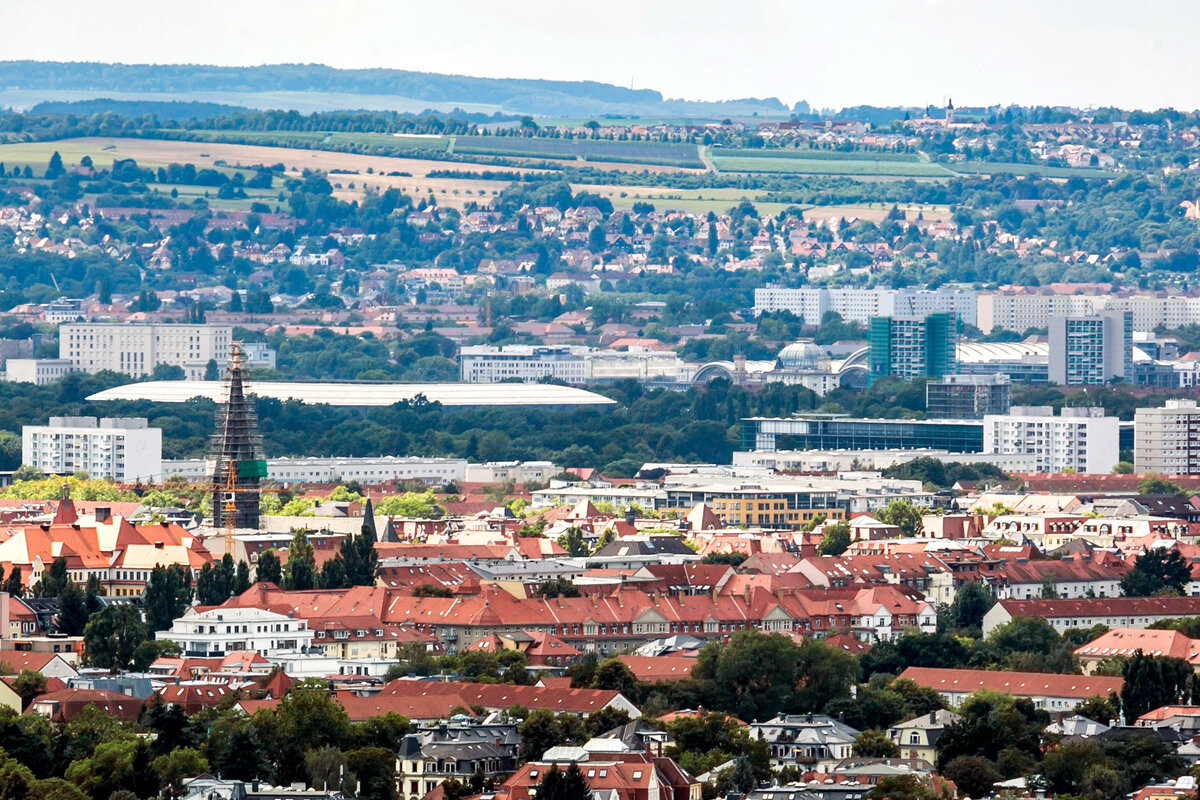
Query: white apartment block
[488, 364]
[40, 371]
[576, 365]
[1167, 440]
[1081, 439]
[433, 471]
[258, 354]
[515, 471]
[220, 631]
[858, 305]
[118, 449]
[602, 366]
[1019, 312]
[136, 349]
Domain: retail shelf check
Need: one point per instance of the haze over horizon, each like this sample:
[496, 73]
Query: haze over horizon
[877, 53]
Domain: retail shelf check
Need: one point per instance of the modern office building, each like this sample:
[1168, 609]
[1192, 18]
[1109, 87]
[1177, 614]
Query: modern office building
[1167, 440]
[912, 347]
[1079, 439]
[968, 396]
[1091, 350]
[575, 365]
[831, 432]
[117, 449]
[136, 349]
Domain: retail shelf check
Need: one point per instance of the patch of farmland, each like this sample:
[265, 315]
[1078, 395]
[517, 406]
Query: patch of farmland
[668, 153]
[814, 153]
[999, 167]
[812, 166]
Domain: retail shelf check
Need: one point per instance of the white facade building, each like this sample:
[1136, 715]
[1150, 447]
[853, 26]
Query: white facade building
[136, 349]
[488, 364]
[1019, 312]
[1081, 439]
[1167, 440]
[117, 449]
[859, 305]
[434, 471]
[220, 631]
[576, 365]
[258, 354]
[515, 471]
[40, 371]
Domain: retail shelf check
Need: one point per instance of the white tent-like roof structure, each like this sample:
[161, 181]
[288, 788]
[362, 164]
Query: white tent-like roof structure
[364, 394]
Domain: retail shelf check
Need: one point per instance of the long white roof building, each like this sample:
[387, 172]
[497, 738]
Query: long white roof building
[364, 394]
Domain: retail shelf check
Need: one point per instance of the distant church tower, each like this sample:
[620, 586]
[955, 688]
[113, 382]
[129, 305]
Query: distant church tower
[237, 451]
[950, 111]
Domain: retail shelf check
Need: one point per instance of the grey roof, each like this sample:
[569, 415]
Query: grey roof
[646, 546]
[465, 751]
[1077, 726]
[670, 644]
[805, 729]
[941, 718]
[883, 766]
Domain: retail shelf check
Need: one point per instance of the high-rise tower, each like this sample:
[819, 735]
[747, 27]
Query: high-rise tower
[237, 452]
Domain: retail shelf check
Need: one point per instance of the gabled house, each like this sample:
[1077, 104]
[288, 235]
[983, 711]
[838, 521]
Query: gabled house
[918, 737]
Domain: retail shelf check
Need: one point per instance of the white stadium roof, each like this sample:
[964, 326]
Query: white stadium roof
[364, 394]
[983, 352]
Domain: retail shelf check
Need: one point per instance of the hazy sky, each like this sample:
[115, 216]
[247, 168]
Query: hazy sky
[833, 53]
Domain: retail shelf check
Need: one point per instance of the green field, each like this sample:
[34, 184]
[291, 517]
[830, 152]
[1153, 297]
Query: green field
[335, 140]
[813, 166]
[668, 153]
[817, 153]
[996, 167]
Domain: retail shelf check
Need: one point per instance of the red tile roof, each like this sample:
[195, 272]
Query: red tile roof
[64, 704]
[1020, 684]
[1104, 606]
[654, 669]
[1124, 642]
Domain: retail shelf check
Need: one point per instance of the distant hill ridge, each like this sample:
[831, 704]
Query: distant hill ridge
[514, 94]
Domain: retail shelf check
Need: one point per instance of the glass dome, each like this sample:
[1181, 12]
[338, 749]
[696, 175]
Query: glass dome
[800, 355]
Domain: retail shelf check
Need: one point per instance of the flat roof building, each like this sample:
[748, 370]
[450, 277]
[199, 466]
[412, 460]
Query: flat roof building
[968, 396]
[1078, 439]
[1167, 440]
[912, 347]
[832, 432]
[316, 469]
[359, 395]
[135, 349]
[38, 371]
[119, 449]
[575, 365]
[1091, 350]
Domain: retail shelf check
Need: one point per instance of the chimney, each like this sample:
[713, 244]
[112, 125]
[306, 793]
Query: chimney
[932, 717]
[103, 514]
[630, 516]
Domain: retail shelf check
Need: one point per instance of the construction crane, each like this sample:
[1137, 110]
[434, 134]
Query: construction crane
[228, 492]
